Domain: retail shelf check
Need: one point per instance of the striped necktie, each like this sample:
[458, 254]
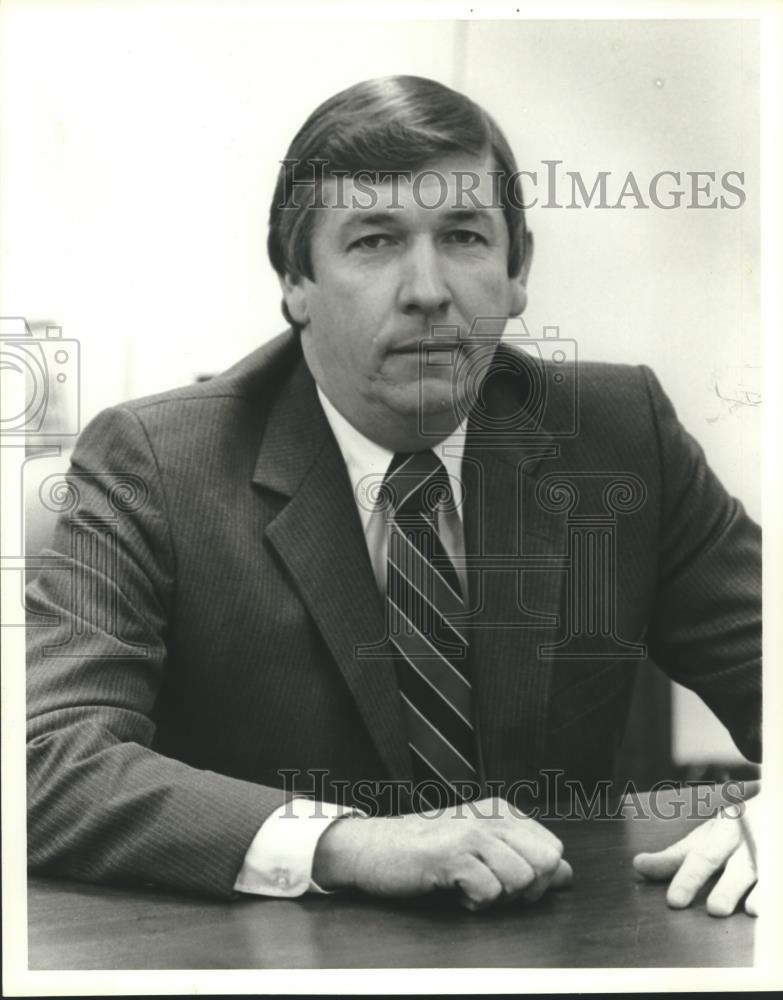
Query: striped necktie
[423, 595]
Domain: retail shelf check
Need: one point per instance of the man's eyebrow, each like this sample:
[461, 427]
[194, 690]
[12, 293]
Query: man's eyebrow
[357, 217]
[459, 214]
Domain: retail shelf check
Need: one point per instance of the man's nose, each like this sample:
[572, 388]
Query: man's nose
[423, 287]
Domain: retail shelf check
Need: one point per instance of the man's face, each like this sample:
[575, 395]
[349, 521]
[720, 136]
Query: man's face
[390, 262]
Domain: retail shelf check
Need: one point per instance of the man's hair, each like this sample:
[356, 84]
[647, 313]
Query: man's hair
[385, 126]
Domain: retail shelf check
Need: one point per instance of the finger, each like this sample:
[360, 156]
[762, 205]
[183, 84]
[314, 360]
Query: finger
[695, 871]
[752, 902]
[717, 833]
[539, 846]
[563, 877]
[663, 864]
[738, 876]
[533, 828]
[478, 886]
[509, 868]
[712, 846]
[546, 867]
[660, 865]
[540, 853]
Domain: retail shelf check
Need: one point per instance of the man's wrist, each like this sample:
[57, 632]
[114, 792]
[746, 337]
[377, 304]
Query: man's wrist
[334, 862]
[279, 860]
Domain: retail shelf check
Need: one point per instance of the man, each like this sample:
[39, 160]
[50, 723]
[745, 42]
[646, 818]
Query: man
[346, 578]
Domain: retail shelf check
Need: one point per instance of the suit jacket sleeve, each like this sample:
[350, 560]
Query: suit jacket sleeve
[102, 805]
[705, 629]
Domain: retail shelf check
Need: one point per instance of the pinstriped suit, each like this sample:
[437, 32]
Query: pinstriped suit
[242, 587]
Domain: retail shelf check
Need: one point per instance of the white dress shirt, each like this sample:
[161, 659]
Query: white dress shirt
[279, 861]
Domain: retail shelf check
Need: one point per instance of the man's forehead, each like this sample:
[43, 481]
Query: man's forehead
[461, 185]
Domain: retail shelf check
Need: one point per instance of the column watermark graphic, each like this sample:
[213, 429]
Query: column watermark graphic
[41, 419]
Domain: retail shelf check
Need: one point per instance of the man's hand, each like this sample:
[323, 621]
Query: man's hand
[488, 852]
[720, 843]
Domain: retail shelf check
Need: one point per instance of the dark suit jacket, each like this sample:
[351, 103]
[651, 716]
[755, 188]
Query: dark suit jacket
[202, 635]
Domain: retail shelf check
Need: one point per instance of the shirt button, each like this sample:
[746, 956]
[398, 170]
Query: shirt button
[282, 881]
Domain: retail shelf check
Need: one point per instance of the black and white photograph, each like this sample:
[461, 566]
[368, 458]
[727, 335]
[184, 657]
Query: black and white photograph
[388, 452]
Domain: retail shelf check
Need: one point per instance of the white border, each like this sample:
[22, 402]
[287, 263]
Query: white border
[768, 974]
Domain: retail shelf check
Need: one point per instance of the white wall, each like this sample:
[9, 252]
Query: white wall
[141, 151]
[141, 144]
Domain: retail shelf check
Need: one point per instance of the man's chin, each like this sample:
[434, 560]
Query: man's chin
[431, 408]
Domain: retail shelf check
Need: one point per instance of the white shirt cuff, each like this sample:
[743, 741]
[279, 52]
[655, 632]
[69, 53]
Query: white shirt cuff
[279, 861]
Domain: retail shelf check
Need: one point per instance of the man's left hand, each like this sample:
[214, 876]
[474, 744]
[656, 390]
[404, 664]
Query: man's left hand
[719, 844]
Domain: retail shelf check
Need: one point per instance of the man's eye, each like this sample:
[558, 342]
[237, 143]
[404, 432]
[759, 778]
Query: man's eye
[375, 241]
[465, 237]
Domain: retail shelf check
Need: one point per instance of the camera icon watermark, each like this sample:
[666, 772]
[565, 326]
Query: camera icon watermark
[40, 380]
[510, 388]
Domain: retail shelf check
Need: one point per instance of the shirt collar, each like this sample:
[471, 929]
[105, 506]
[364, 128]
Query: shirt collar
[367, 461]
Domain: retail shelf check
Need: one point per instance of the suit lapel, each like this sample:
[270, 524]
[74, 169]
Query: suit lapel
[513, 614]
[319, 537]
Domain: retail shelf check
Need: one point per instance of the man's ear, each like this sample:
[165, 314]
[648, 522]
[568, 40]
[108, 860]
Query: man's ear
[295, 298]
[519, 281]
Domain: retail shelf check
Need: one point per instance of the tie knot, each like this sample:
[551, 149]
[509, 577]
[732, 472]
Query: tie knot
[417, 483]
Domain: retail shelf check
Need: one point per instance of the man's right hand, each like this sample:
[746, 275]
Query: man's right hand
[487, 851]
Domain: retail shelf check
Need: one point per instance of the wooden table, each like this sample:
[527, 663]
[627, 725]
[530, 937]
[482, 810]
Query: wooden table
[607, 918]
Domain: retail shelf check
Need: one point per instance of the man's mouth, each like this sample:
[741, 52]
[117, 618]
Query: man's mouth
[428, 344]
